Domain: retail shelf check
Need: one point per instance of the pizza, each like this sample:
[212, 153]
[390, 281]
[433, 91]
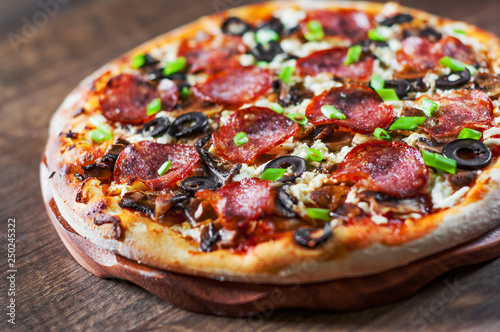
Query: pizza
[286, 142]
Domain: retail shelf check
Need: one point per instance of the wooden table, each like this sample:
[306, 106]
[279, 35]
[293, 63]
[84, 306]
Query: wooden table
[53, 292]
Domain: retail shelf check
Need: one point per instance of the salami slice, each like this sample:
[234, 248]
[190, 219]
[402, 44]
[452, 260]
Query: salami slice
[236, 86]
[142, 161]
[347, 23]
[467, 108]
[213, 54]
[239, 202]
[390, 167]
[125, 98]
[418, 55]
[332, 61]
[362, 107]
[264, 128]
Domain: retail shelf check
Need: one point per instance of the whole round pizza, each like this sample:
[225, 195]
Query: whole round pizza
[248, 144]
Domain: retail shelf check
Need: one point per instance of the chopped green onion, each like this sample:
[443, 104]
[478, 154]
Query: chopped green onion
[264, 36]
[314, 155]
[273, 174]
[277, 108]
[470, 133]
[262, 64]
[174, 66]
[185, 93]
[460, 31]
[102, 133]
[375, 34]
[440, 162]
[353, 54]
[164, 168]
[138, 61]
[387, 94]
[377, 82]
[332, 113]
[315, 31]
[381, 134]
[240, 138]
[154, 106]
[297, 117]
[322, 214]
[286, 74]
[456, 65]
[408, 123]
[429, 106]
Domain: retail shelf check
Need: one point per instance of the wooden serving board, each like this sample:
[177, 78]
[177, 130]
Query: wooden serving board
[225, 298]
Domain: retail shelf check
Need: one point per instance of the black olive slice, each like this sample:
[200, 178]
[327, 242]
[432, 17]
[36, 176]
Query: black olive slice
[454, 80]
[235, 26]
[468, 153]
[193, 184]
[402, 87]
[156, 127]
[297, 164]
[431, 34]
[420, 85]
[189, 124]
[149, 61]
[302, 236]
[397, 19]
[157, 74]
[267, 52]
[272, 24]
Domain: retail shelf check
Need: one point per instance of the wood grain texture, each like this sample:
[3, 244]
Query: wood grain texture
[54, 292]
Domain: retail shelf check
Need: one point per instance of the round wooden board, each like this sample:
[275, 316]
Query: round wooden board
[225, 298]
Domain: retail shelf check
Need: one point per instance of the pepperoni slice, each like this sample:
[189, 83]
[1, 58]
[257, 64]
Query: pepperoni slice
[239, 202]
[362, 107]
[125, 98]
[347, 23]
[265, 130]
[213, 54]
[418, 55]
[142, 161]
[467, 108]
[236, 86]
[390, 167]
[332, 61]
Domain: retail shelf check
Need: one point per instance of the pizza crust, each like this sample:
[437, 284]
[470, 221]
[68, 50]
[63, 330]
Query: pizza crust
[281, 261]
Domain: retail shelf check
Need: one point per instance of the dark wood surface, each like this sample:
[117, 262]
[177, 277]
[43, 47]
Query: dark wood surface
[52, 291]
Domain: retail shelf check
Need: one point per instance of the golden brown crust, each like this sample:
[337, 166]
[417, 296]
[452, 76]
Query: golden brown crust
[279, 261]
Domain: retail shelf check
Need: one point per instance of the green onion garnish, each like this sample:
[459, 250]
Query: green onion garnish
[387, 94]
[240, 138]
[408, 123]
[185, 93]
[174, 66]
[154, 106]
[102, 133]
[375, 34]
[264, 36]
[273, 174]
[138, 61]
[460, 31]
[332, 113]
[314, 155]
[286, 74]
[277, 108]
[353, 54]
[470, 133]
[377, 82]
[297, 117]
[440, 162]
[456, 65]
[315, 31]
[429, 106]
[322, 214]
[381, 134]
[164, 168]
[262, 64]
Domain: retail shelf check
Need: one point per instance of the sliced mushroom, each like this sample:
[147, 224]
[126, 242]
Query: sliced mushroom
[312, 237]
[209, 236]
[461, 179]
[329, 197]
[107, 219]
[102, 168]
[384, 204]
[433, 146]
[156, 206]
[489, 83]
[281, 204]
[88, 190]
